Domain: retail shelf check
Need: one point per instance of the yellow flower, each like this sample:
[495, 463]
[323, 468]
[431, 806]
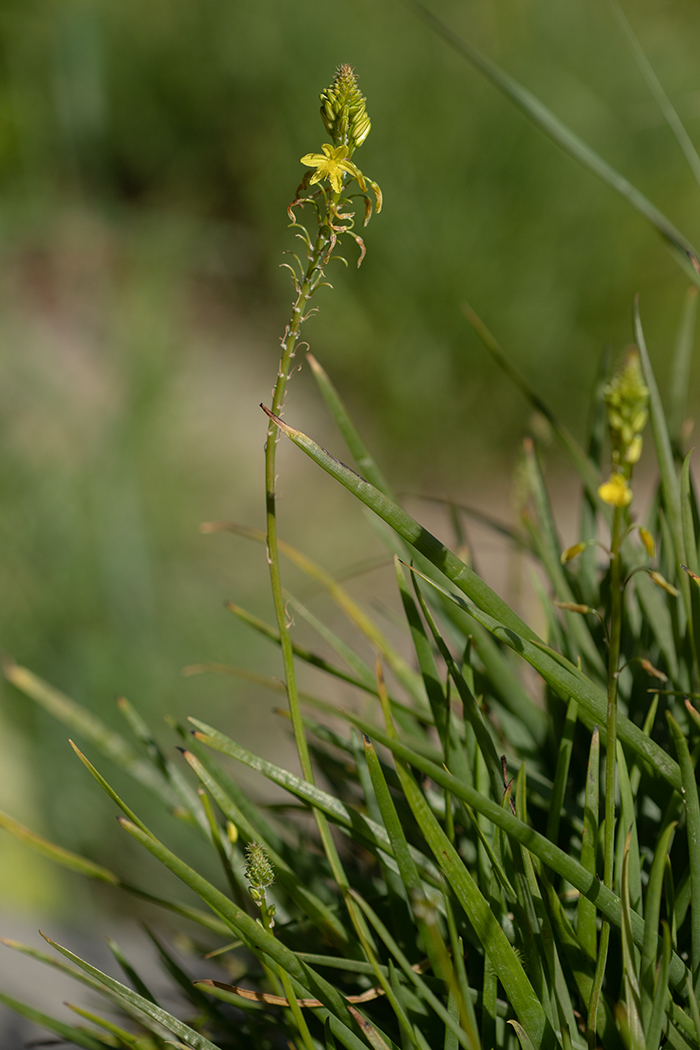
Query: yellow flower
[616, 491]
[330, 165]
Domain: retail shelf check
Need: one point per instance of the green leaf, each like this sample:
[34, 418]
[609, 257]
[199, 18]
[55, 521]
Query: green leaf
[633, 1009]
[416, 980]
[127, 995]
[404, 673]
[545, 539]
[569, 682]
[61, 856]
[360, 826]
[656, 89]
[679, 381]
[323, 916]
[506, 963]
[257, 939]
[586, 928]
[658, 1014]
[543, 118]
[652, 910]
[67, 1032]
[490, 610]
[358, 450]
[692, 813]
[586, 469]
[88, 725]
[561, 776]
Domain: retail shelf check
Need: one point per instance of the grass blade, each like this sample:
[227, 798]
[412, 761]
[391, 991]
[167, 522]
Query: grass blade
[67, 1032]
[508, 967]
[561, 776]
[364, 460]
[655, 87]
[652, 910]
[133, 999]
[307, 901]
[88, 725]
[586, 928]
[680, 367]
[691, 804]
[658, 1013]
[259, 940]
[587, 470]
[543, 118]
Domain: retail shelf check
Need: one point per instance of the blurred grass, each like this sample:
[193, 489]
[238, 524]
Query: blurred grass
[147, 154]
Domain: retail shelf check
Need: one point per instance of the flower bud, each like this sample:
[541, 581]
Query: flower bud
[344, 111]
[259, 871]
[626, 399]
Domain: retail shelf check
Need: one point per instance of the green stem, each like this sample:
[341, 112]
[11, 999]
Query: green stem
[312, 276]
[610, 763]
[289, 344]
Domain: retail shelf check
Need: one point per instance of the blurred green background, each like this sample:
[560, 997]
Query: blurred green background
[147, 155]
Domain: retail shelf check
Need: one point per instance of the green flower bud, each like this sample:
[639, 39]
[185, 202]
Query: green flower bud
[344, 111]
[259, 871]
[626, 398]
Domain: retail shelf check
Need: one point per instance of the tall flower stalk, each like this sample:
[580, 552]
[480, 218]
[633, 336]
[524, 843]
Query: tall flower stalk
[626, 399]
[326, 192]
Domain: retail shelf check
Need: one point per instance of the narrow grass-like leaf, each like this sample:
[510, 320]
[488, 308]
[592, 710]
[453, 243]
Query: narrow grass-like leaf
[635, 1034]
[127, 995]
[667, 469]
[290, 882]
[66, 1032]
[556, 859]
[364, 459]
[628, 824]
[655, 610]
[415, 978]
[88, 725]
[692, 814]
[409, 530]
[488, 609]
[508, 967]
[680, 367]
[585, 910]
[569, 681]
[124, 1037]
[687, 497]
[309, 657]
[523, 1037]
[404, 673]
[655, 87]
[426, 661]
[250, 932]
[108, 789]
[406, 865]
[472, 714]
[64, 857]
[587, 470]
[129, 970]
[543, 118]
[561, 776]
[189, 803]
[652, 910]
[545, 537]
[658, 1014]
[356, 823]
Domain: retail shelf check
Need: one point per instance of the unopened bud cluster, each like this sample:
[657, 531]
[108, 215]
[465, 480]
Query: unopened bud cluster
[259, 872]
[626, 399]
[344, 110]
